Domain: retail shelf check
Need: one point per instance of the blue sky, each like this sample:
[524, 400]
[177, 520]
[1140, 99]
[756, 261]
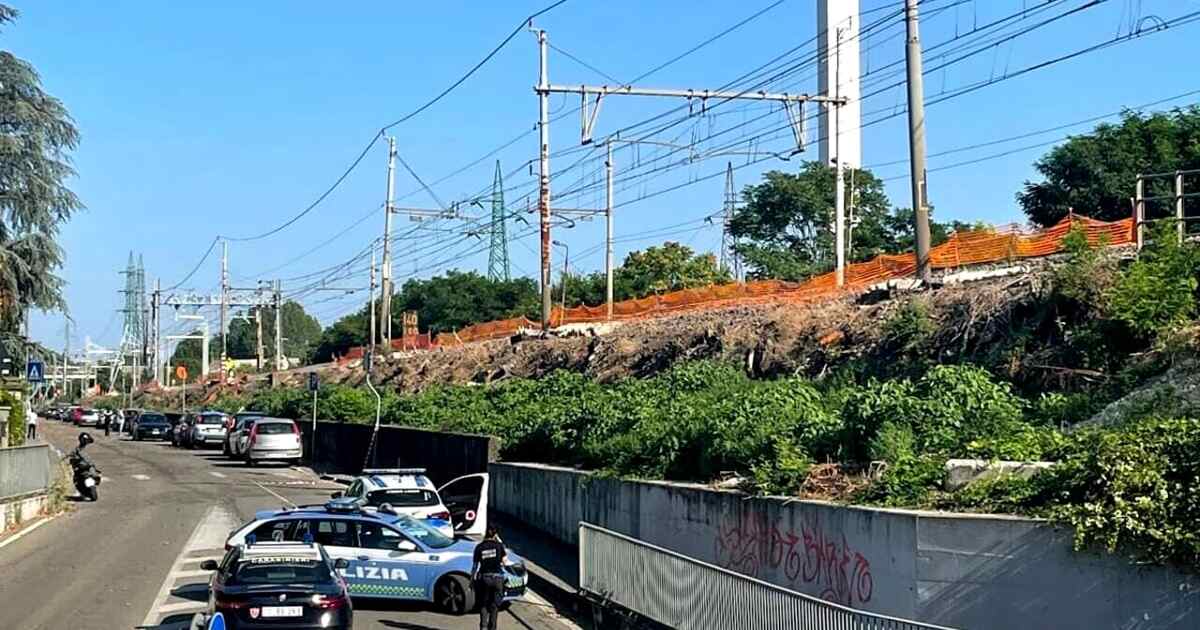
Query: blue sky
[224, 117]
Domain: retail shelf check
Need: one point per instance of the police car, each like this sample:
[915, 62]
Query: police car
[388, 555]
[409, 491]
[277, 584]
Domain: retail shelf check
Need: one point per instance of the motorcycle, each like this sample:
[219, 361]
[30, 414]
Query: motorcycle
[86, 475]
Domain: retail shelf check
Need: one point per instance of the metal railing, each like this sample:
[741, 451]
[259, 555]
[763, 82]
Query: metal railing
[681, 592]
[24, 470]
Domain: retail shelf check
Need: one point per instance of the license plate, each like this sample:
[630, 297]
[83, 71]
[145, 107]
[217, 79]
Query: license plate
[89, 482]
[282, 611]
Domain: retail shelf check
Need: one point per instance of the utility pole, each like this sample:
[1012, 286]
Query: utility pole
[224, 299]
[258, 344]
[66, 352]
[608, 230]
[543, 91]
[839, 189]
[916, 142]
[278, 326]
[385, 293]
[158, 380]
[372, 335]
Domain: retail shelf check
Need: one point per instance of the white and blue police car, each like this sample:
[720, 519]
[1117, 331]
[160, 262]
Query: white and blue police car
[389, 555]
[458, 508]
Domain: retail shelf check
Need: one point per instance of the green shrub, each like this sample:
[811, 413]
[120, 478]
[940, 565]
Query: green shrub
[16, 417]
[1157, 291]
[909, 326]
[1087, 274]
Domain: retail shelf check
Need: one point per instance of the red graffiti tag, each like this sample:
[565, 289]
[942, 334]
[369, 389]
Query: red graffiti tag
[752, 546]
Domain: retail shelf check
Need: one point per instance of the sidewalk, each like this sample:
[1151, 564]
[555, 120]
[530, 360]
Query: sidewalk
[553, 566]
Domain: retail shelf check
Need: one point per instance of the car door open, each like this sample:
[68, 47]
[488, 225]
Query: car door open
[467, 499]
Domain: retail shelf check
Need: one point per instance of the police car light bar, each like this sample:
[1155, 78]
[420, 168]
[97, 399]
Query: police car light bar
[393, 471]
[344, 504]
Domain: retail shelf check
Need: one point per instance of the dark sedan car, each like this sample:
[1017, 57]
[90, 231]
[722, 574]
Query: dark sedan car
[279, 585]
[152, 426]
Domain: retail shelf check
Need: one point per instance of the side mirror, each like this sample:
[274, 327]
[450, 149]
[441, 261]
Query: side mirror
[336, 495]
[208, 565]
[406, 546]
[341, 563]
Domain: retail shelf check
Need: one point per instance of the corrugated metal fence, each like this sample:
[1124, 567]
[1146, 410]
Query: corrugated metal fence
[684, 593]
[24, 470]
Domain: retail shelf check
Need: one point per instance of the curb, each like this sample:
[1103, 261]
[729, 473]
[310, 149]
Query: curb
[34, 524]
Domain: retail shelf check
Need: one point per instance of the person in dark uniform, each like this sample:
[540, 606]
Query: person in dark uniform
[107, 421]
[488, 576]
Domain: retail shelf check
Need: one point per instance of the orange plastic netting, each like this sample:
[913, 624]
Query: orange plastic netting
[962, 248]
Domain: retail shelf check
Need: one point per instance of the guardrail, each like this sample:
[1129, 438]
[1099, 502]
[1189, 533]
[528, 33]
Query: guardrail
[24, 470]
[682, 592]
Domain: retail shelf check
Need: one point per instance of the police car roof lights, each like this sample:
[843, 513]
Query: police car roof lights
[393, 471]
[344, 504]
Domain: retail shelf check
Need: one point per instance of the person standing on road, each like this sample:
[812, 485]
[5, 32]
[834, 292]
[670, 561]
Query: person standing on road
[30, 423]
[107, 422]
[488, 576]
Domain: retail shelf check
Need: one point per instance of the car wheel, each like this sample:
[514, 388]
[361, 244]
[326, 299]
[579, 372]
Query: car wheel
[454, 595]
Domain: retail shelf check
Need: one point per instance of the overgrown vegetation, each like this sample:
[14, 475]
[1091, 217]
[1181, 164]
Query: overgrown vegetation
[16, 418]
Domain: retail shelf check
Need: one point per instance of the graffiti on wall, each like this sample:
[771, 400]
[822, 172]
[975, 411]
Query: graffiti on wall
[812, 557]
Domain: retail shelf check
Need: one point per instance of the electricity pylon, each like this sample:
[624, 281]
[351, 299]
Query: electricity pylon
[498, 254]
[730, 261]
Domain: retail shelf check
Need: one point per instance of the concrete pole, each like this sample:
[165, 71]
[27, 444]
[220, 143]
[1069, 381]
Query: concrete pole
[916, 141]
[371, 335]
[543, 91]
[204, 354]
[385, 293]
[839, 202]
[278, 326]
[1179, 224]
[258, 340]
[608, 232]
[1139, 212]
[224, 299]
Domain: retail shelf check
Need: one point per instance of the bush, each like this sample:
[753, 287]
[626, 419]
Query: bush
[1087, 274]
[1157, 291]
[16, 417]
[909, 327]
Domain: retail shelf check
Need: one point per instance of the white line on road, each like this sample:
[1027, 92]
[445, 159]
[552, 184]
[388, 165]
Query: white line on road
[209, 534]
[216, 474]
[141, 477]
[286, 501]
[17, 536]
[170, 609]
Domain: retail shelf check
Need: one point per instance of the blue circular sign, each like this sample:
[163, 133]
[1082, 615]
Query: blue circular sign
[217, 622]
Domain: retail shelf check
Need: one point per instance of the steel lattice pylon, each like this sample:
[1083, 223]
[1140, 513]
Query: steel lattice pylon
[133, 334]
[498, 254]
[730, 261]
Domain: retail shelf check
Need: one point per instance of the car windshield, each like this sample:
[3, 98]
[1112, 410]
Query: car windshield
[280, 570]
[153, 418]
[419, 531]
[271, 428]
[398, 497]
[211, 419]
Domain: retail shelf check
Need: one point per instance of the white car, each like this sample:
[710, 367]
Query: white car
[208, 428]
[275, 439]
[408, 491]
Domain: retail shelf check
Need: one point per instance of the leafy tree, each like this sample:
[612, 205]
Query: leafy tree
[347, 332]
[1158, 290]
[188, 354]
[657, 269]
[38, 133]
[459, 299]
[785, 228]
[1096, 173]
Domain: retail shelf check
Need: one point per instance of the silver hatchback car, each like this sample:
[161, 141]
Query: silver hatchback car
[271, 439]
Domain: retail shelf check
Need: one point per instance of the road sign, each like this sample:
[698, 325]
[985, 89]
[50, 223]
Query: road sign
[217, 622]
[313, 382]
[35, 372]
[181, 372]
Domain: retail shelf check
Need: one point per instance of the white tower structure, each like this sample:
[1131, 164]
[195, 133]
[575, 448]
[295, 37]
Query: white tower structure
[837, 76]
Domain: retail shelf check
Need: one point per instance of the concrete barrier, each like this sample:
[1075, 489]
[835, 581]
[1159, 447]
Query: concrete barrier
[342, 447]
[966, 571]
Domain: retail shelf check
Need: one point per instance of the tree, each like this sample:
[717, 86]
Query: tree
[1095, 174]
[347, 332]
[654, 270]
[187, 353]
[459, 299]
[36, 134]
[786, 227]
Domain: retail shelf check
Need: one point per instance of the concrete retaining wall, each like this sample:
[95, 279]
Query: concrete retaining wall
[342, 447]
[18, 511]
[965, 571]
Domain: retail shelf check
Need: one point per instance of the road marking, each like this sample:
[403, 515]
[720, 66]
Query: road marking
[17, 536]
[286, 501]
[206, 541]
[216, 474]
[141, 477]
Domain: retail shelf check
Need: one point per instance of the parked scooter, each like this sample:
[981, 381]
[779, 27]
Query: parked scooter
[86, 475]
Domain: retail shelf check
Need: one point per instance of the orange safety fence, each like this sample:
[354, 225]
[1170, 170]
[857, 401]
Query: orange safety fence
[962, 248]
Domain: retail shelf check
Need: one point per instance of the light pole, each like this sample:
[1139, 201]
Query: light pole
[566, 264]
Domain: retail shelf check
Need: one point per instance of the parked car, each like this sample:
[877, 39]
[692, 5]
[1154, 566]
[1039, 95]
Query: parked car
[271, 439]
[241, 426]
[390, 556]
[409, 491]
[207, 428]
[71, 412]
[293, 585]
[152, 425]
[83, 417]
[131, 416]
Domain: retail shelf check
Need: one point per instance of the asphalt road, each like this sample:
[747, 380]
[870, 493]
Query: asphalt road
[131, 560]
